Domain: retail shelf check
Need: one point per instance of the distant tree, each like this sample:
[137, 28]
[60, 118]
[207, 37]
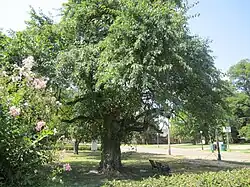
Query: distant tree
[245, 131]
[239, 75]
[239, 103]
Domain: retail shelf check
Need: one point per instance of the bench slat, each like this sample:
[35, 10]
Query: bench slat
[160, 166]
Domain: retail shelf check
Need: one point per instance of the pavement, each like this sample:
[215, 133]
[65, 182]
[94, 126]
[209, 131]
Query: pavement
[192, 153]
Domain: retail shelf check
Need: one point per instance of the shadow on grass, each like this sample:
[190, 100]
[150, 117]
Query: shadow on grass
[244, 164]
[136, 167]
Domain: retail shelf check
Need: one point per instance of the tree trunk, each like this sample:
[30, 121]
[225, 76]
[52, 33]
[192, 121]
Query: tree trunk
[111, 152]
[207, 140]
[76, 146]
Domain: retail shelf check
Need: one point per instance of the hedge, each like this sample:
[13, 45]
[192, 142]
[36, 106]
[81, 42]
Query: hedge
[234, 178]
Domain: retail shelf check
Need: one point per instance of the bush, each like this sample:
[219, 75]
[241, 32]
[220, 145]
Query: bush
[208, 179]
[27, 122]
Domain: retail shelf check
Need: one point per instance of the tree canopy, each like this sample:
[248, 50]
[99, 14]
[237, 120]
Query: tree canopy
[239, 102]
[118, 65]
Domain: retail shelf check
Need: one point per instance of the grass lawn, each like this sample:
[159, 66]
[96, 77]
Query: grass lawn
[240, 150]
[136, 167]
[188, 146]
[165, 146]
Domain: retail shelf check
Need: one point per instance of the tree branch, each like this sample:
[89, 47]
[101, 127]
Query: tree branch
[136, 128]
[180, 117]
[244, 104]
[147, 112]
[76, 119]
[76, 100]
[156, 129]
[139, 127]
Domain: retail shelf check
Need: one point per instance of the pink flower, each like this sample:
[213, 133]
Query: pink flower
[40, 125]
[67, 167]
[14, 111]
[39, 83]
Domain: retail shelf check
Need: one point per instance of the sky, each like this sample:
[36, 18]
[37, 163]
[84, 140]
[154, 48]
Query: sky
[14, 12]
[224, 22]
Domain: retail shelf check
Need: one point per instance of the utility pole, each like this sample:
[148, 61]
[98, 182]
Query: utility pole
[218, 146]
[157, 138]
[228, 141]
[169, 145]
[201, 141]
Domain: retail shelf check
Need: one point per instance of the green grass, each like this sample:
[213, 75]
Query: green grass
[244, 148]
[69, 147]
[188, 146]
[237, 177]
[165, 146]
[133, 163]
[240, 150]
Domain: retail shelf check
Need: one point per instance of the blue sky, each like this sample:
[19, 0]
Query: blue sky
[14, 12]
[225, 22]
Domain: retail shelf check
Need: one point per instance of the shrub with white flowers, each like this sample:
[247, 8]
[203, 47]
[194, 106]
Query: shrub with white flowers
[27, 122]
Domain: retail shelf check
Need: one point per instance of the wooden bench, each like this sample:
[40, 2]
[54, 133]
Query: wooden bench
[163, 168]
[153, 164]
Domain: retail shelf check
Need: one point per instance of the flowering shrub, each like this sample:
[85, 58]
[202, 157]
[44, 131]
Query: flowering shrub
[67, 167]
[39, 83]
[27, 123]
[14, 111]
[40, 125]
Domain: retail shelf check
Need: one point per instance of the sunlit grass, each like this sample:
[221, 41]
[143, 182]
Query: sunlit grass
[136, 167]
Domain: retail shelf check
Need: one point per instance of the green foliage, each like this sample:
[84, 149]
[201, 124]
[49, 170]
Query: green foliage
[118, 65]
[180, 132]
[245, 131]
[42, 39]
[27, 121]
[4, 41]
[240, 75]
[239, 102]
[208, 179]
[145, 51]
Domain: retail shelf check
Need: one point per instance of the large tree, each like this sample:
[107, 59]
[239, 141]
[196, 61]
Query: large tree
[118, 65]
[131, 61]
